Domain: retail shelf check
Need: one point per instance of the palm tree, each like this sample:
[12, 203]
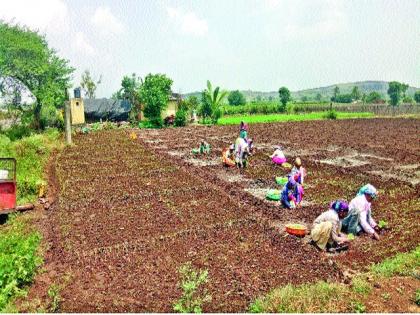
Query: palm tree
[214, 99]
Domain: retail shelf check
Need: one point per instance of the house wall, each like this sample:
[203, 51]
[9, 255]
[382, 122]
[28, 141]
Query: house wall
[170, 109]
[77, 110]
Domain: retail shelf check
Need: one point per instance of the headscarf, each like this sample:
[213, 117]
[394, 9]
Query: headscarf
[243, 134]
[298, 162]
[368, 189]
[339, 205]
[243, 126]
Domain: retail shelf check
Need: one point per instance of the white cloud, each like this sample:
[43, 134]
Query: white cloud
[82, 45]
[301, 19]
[42, 15]
[106, 22]
[187, 22]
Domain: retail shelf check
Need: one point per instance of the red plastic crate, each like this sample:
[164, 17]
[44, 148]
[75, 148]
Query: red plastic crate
[7, 195]
[7, 184]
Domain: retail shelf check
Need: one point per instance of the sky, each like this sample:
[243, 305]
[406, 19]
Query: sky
[236, 44]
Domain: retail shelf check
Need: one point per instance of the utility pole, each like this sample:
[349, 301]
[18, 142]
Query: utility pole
[67, 114]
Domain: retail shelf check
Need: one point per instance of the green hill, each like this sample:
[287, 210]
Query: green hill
[326, 92]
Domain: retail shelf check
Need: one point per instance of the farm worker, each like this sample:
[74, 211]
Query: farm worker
[278, 156]
[298, 172]
[204, 147]
[326, 229]
[227, 156]
[360, 214]
[241, 152]
[289, 194]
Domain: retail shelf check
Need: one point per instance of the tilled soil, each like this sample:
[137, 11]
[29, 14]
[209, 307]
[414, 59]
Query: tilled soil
[131, 212]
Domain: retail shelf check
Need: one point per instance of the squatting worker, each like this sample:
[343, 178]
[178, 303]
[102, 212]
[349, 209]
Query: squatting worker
[360, 217]
[326, 230]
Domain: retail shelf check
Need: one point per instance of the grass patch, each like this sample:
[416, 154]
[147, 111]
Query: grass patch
[253, 119]
[403, 264]
[31, 154]
[361, 286]
[18, 259]
[308, 298]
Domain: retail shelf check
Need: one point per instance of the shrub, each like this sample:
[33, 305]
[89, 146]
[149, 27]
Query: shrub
[217, 113]
[331, 114]
[193, 294]
[18, 259]
[180, 118]
[17, 132]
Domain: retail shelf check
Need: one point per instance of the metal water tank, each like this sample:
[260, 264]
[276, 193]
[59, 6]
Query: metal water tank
[77, 93]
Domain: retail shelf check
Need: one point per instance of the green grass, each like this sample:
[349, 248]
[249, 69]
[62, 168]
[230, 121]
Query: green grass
[252, 119]
[18, 259]
[31, 155]
[323, 297]
[308, 298]
[403, 264]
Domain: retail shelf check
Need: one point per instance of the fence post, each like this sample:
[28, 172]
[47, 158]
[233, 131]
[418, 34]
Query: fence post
[67, 113]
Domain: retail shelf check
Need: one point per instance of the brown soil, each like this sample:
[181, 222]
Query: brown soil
[130, 212]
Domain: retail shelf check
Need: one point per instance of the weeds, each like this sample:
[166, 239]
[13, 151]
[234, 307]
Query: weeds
[361, 286]
[318, 297]
[54, 295]
[18, 259]
[358, 307]
[417, 297]
[403, 264]
[31, 155]
[193, 295]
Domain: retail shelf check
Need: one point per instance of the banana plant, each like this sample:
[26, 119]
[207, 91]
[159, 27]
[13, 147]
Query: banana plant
[215, 98]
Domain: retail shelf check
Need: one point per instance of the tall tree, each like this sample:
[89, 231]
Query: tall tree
[355, 93]
[154, 94]
[130, 86]
[89, 85]
[26, 59]
[396, 90]
[236, 98]
[318, 97]
[336, 92]
[284, 95]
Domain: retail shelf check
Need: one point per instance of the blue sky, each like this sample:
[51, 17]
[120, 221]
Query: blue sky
[245, 44]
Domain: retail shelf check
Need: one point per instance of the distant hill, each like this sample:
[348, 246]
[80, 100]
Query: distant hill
[326, 92]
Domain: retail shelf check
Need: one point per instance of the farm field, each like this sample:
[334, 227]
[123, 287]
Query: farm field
[253, 119]
[128, 213]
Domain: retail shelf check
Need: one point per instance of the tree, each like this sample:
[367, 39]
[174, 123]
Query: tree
[284, 95]
[26, 59]
[130, 91]
[355, 93]
[88, 85]
[417, 97]
[396, 90]
[236, 98]
[205, 110]
[336, 92]
[343, 98]
[154, 94]
[193, 102]
[213, 99]
[373, 97]
[318, 97]
[408, 99]
[304, 98]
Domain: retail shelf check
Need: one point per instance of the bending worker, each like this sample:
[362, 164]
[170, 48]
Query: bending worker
[360, 218]
[326, 231]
